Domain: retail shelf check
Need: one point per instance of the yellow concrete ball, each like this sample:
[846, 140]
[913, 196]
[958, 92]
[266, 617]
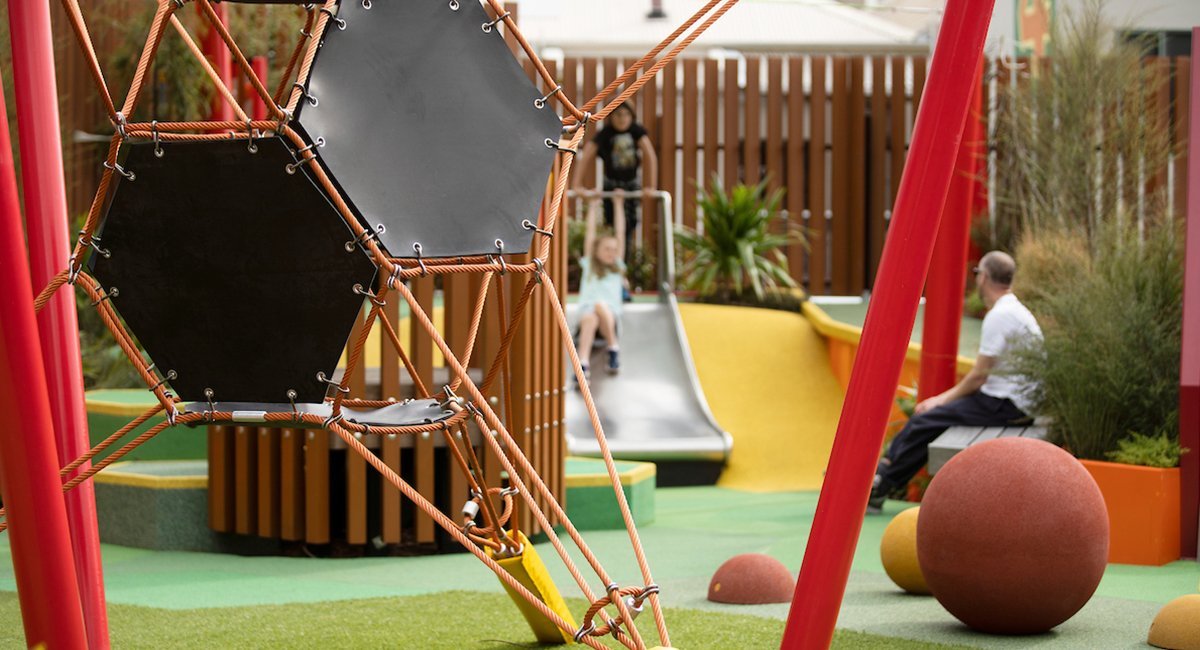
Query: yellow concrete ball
[898, 550]
[1177, 626]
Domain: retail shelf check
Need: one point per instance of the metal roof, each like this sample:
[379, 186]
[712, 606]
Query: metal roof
[620, 27]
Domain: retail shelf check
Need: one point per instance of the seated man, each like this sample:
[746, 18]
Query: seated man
[986, 396]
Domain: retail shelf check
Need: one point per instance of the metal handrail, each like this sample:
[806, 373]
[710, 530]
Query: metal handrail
[666, 222]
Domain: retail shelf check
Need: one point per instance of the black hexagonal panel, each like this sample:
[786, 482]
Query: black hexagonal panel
[430, 127]
[230, 271]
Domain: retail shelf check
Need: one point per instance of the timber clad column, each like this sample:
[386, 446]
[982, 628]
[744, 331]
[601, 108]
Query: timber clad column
[1189, 376]
[947, 272]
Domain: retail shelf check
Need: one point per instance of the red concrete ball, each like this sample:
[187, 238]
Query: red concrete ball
[1013, 536]
[751, 579]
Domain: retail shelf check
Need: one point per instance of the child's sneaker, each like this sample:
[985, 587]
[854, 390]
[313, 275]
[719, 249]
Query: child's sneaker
[614, 361]
[587, 375]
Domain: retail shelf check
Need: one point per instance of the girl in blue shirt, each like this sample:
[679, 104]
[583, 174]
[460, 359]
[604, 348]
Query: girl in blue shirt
[603, 266]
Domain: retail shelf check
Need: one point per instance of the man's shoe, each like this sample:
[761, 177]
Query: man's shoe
[877, 498]
[614, 361]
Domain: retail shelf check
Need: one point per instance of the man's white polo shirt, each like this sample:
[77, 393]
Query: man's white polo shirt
[1007, 325]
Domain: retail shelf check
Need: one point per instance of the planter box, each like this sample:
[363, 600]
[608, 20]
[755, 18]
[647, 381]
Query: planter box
[1143, 511]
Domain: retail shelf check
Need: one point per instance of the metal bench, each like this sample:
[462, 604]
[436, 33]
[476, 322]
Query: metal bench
[956, 439]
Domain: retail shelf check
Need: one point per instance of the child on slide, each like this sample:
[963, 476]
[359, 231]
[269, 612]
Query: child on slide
[603, 266]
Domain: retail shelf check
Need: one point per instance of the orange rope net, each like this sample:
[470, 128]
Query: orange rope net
[494, 504]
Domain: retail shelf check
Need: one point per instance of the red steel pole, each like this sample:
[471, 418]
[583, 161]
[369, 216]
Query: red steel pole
[222, 61]
[948, 268]
[903, 265]
[258, 109]
[49, 244]
[1189, 374]
[37, 516]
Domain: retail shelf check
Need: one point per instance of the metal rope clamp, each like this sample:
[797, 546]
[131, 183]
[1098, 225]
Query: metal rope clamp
[158, 150]
[74, 268]
[488, 27]
[106, 295]
[251, 146]
[332, 419]
[299, 155]
[120, 170]
[170, 376]
[420, 262]
[541, 269]
[451, 397]
[636, 603]
[584, 631]
[291, 395]
[550, 144]
[540, 103]
[121, 124]
[369, 295]
[326, 380]
[582, 123]
[341, 22]
[285, 116]
[209, 415]
[364, 237]
[311, 99]
[500, 256]
[394, 279]
[529, 225]
[93, 242]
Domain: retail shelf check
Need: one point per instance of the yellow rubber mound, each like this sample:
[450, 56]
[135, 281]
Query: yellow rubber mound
[1177, 626]
[767, 378]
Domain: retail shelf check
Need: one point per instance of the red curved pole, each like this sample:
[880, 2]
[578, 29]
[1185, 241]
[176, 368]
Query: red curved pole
[948, 268]
[49, 243]
[37, 516]
[935, 141]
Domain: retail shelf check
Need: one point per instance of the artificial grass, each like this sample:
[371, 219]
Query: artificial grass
[453, 619]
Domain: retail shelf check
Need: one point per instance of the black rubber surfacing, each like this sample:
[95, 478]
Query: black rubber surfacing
[430, 127]
[230, 271]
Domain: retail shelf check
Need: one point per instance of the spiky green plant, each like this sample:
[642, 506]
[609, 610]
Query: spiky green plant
[1077, 140]
[1110, 361]
[735, 248]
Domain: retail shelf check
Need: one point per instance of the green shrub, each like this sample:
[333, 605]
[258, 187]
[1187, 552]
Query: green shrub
[1110, 361]
[735, 249]
[1148, 451]
[1098, 253]
[1068, 133]
[640, 270]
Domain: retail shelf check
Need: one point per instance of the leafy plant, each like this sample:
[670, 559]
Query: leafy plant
[641, 270]
[907, 402]
[1148, 451]
[1076, 140]
[104, 362]
[1098, 253]
[735, 248]
[1110, 360]
[576, 233]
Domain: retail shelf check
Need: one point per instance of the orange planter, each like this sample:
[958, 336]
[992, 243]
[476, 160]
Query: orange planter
[1143, 511]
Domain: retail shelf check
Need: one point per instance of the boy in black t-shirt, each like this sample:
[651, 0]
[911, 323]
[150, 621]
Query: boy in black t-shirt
[623, 146]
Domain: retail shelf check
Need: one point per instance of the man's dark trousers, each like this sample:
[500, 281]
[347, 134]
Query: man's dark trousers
[909, 450]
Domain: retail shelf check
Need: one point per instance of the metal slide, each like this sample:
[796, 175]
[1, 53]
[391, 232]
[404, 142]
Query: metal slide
[654, 409]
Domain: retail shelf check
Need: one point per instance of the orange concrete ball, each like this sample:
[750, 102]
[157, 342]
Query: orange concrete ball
[751, 579]
[1013, 536]
[1177, 626]
[898, 551]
